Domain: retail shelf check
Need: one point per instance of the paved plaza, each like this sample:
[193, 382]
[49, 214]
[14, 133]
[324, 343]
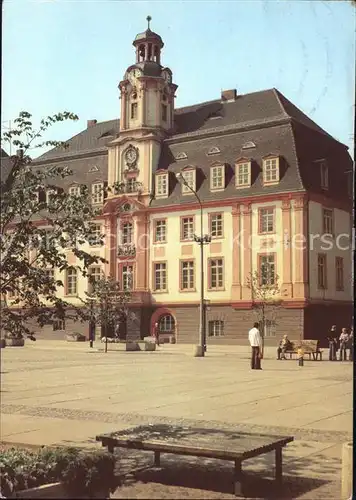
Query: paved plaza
[55, 392]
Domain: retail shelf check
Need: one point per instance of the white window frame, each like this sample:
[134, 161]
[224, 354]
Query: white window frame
[72, 282]
[217, 177]
[216, 225]
[49, 192]
[97, 273]
[97, 194]
[271, 170]
[126, 233]
[217, 265]
[187, 275]
[266, 218]
[127, 276]
[96, 230]
[339, 274]
[268, 260]
[161, 185]
[190, 178]
[216, 328]
[160, 231]
[160, 276]
[187, 228]
[328, 221]
[243, 174]
[74, 190]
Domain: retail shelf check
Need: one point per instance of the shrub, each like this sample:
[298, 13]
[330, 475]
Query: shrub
[83, 472]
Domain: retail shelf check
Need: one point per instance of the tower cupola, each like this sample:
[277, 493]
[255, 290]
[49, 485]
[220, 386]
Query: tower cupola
[148, 45]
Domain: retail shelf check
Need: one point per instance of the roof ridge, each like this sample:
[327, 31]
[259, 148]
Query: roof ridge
[277, 93]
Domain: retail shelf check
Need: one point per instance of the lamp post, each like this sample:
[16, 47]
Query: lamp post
[201, 240]
[91, 322]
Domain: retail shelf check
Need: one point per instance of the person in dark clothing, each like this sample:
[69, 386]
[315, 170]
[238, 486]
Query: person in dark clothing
[344, 340]
[333, 339]
[351, 344]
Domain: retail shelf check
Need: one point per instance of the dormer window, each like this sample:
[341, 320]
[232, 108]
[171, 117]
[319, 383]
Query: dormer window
[249, 145]
[271, 170]
[97, 192]
[189, 177]
[217, 177]
[161, 185]
[181, 156]
[243, 173]
[94, 168]
[74, 191]
[213, 151]
[324, 175]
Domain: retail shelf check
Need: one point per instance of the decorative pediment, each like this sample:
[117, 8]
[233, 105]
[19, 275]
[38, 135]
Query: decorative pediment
[94, 168]
[214, 151]
[188, 167]
[248, 145]
[217, 164]
[181, 156]
[270, 155]
[242, 159]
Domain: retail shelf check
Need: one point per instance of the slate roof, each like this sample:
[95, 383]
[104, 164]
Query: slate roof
[265, 117]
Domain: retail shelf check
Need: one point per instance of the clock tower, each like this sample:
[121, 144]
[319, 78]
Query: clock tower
[147, 110]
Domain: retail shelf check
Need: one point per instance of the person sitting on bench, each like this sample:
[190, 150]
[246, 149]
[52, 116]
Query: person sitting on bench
[283, 346]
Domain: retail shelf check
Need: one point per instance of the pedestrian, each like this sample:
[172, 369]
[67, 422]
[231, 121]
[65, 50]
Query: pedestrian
[332, 338]
[156, 334]
[255, 340]
[344, 338]
[284, 345]
[351, 344]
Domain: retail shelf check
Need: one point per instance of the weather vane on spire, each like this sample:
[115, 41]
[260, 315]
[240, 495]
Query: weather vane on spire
[149, 18]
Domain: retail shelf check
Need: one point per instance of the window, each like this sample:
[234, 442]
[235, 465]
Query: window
[249, 145]
[267, 269]
[71, 282]
[97, 192]
[95, 237]
[187, 275]
[181, 156]
[74, 191]
[131, 185]
[217, 177]
[270, 328]
[216, 274]
[216, 225]
[189, 177]
[324, 175]
[216, 328]
[160, 277]
[58, 324]
[126, 233]
[49, 274]
[134, 110]
[127, 276]
[160, 231]
[339, 268]
[166, 324]
[95, 274]
[164, 112]
[266, 220]
[50, 195]
[328, 222]
[322, 272]
[161, 185]
[187, 228]
[271, 171]
[243, 174]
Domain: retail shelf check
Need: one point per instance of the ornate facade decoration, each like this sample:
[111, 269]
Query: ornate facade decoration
[126, 250]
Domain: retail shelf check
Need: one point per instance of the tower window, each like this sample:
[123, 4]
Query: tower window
[141, 53]
[164, 112]
[155, 54]
[149, 51]
[134, 109]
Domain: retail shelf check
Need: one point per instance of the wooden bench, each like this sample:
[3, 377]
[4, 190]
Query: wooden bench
[199, 442]
[310, 348]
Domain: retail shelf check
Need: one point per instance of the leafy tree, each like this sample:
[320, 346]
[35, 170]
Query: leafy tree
[265, 293]
[108, 303]
[38, 223]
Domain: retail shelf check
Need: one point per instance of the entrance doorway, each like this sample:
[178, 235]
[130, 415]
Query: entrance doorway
[166, 327]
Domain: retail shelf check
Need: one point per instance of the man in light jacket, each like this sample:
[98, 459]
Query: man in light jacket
[255, 340]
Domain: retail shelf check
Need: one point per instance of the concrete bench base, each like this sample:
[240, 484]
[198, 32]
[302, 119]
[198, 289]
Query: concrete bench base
[54, 490]
[15, 342]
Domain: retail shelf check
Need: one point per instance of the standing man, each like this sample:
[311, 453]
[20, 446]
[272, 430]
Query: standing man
[351, 344]
[156, 334]
[344, 338]
[255, 340]
[332, 343]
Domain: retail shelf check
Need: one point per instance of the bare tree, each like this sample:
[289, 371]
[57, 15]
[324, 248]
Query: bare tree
[266, 294]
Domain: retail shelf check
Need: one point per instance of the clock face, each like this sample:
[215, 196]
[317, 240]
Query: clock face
[131, 156]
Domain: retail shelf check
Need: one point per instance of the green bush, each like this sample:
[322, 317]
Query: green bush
[83, 472]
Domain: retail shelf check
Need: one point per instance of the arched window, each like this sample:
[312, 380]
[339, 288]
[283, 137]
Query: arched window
[141, 53]
[134, 104]
[156, 54]
[166, 324]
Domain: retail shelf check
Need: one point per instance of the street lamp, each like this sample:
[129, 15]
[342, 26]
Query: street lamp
[201, 240]
[92, 325]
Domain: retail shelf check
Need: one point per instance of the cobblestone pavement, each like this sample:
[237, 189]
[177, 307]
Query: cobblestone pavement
[55, 393]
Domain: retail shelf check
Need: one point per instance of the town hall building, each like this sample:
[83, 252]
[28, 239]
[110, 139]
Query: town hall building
[264, 177]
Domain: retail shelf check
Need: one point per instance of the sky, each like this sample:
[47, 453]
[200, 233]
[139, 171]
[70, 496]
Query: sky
[70, 55]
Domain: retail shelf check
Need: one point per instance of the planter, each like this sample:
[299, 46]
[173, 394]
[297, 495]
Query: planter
[75, 337]
[146, 346]
[2, 343]
[172, 339]
[15, 342]
[56, 490]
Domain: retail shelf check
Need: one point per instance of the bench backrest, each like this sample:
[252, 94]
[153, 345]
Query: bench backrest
[306, 345]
